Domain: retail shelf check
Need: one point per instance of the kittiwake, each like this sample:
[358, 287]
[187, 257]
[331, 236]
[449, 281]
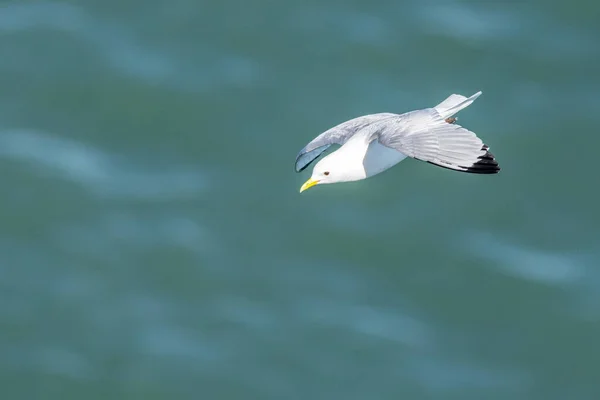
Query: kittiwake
[373, 143]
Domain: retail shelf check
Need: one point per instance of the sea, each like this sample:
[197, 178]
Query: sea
[154, 243]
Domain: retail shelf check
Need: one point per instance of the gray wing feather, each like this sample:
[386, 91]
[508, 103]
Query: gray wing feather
[339, 134]
[426, 136]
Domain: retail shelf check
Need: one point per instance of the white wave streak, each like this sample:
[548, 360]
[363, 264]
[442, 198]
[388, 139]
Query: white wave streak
[126, 53]
[470, 23]
[95, 170]
[370, 321]
[121, 51]
[517, 260]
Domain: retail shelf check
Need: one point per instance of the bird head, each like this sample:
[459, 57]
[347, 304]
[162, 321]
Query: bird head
[332, 169]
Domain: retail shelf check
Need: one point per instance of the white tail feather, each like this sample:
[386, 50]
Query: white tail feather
[454, 103]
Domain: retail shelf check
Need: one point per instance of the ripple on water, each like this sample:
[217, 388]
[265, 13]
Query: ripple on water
[338, 297]
[441, 375]
[100, 173]
[357, 27]
[521, 262]
[98, 238]
[466, 22]
[126, 53]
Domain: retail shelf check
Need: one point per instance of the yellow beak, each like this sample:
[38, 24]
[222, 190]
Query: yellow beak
[308, 184]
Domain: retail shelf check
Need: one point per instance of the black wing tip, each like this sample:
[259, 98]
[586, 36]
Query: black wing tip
[487, 164]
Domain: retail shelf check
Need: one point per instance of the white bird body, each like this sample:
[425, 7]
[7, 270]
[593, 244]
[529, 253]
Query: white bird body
[375, 158]
[374, 143]
[380, 158]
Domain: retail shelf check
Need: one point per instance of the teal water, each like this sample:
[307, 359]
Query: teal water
[154, 244]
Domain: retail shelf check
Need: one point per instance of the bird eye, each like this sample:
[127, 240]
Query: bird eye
[326, 173]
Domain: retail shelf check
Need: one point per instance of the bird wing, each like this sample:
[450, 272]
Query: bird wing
[426, 136]
[454, 103]
[339, 134]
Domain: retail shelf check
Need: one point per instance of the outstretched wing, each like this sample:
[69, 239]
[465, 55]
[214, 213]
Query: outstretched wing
[337, 135]
[426, 136]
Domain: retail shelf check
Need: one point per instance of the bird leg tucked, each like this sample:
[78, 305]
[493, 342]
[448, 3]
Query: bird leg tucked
[450, 120]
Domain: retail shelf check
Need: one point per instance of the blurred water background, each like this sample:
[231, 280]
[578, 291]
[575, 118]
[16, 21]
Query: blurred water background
[154, 245]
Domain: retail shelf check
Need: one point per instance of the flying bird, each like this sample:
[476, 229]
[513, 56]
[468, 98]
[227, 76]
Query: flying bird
[373, 143]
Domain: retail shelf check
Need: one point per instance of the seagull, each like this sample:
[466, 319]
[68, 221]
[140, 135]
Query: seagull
[373, 143]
